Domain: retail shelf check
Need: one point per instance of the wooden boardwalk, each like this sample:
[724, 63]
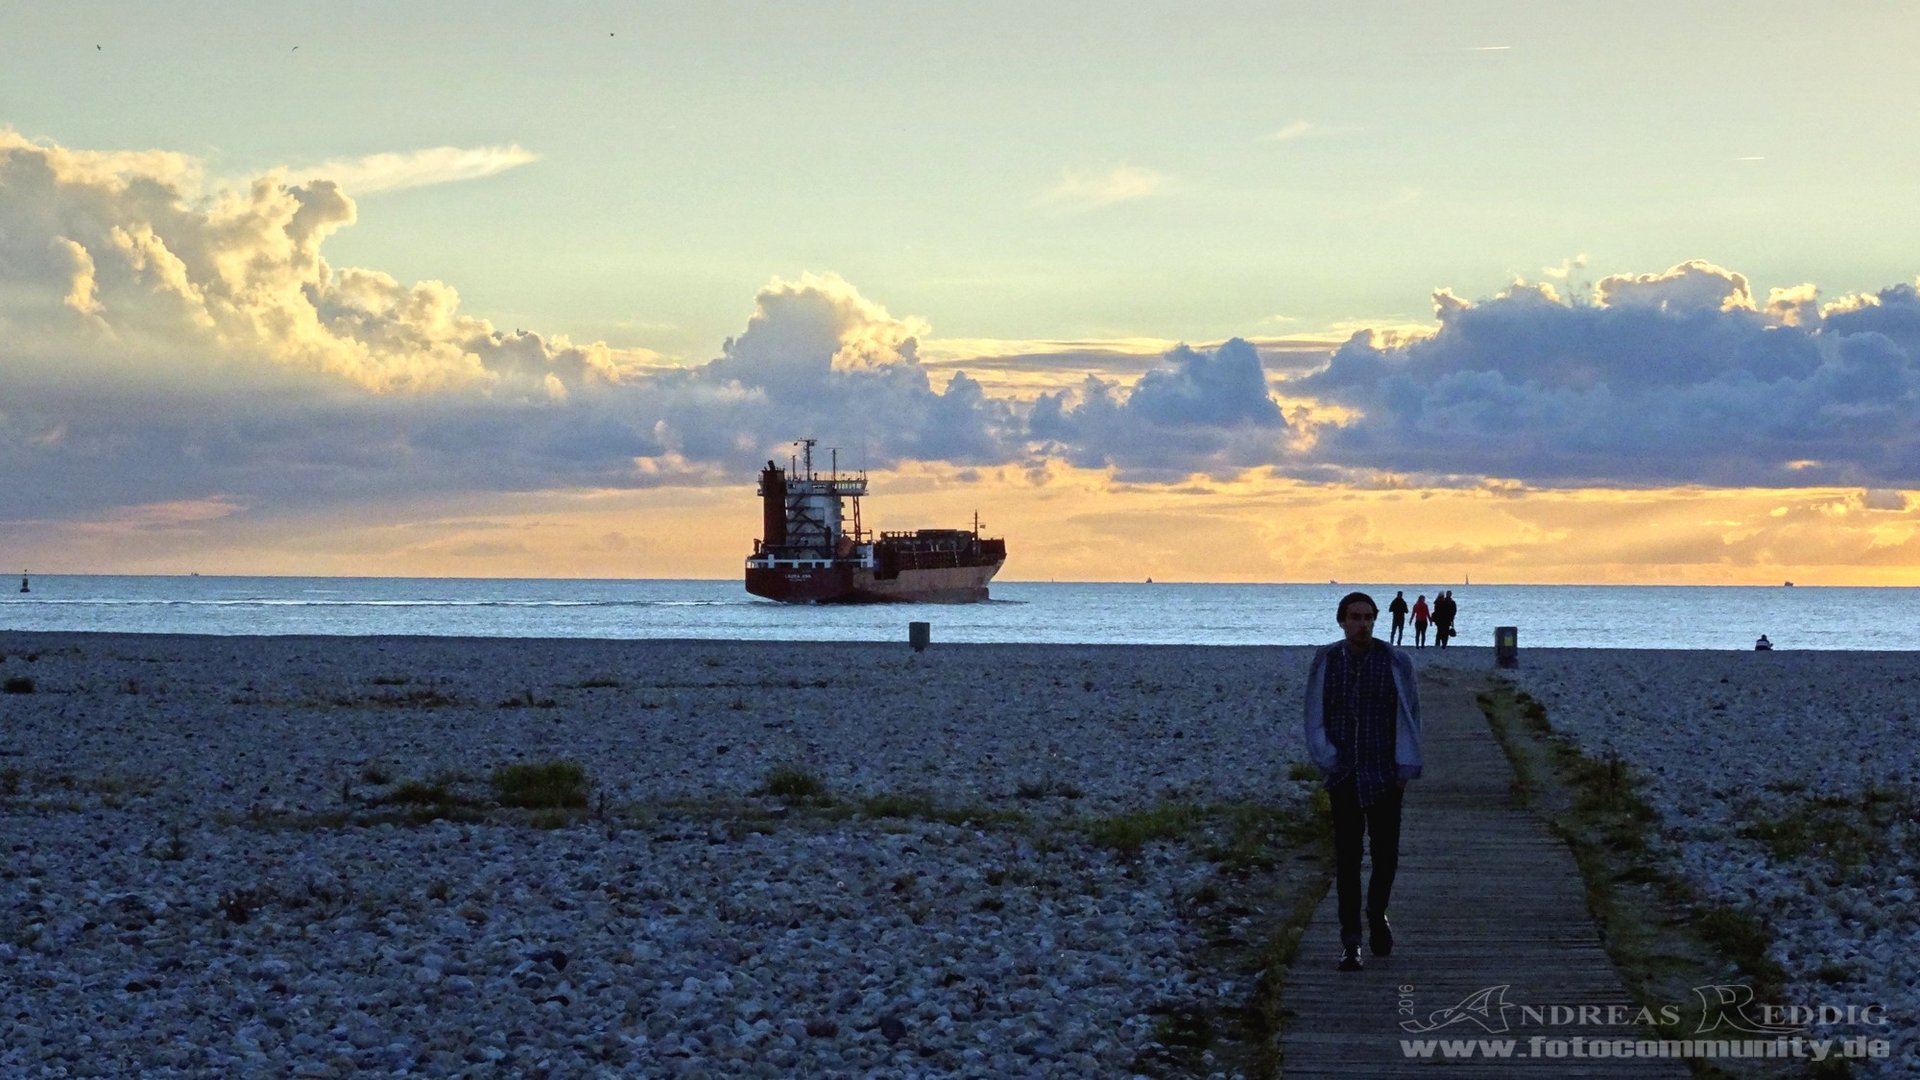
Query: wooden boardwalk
[1485, 898]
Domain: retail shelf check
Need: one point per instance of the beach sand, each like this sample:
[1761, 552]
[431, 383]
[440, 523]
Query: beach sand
[201, 874]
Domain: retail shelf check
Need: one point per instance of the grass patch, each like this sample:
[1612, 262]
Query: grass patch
[1660, 934]
[1047, 788]
[526, 700]
[899, 805]
[1303, 772]
[1844, 831]
[1131, 831]
[423, 698]
[542, 785]
[793, 782]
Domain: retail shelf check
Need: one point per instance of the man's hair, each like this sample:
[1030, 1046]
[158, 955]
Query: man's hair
[1355, 598]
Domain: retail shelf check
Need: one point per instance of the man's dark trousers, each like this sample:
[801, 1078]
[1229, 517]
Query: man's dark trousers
[1381, 825]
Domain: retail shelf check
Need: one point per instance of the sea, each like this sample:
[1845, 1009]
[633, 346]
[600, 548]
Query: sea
[1559, 616]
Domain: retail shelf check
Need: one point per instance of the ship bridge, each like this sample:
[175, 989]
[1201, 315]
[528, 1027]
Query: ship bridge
[806, 520]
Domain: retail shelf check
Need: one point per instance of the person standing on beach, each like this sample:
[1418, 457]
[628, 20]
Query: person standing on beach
[1443, 618]
[1398, 609]
[1421, 613]
[1363, 733]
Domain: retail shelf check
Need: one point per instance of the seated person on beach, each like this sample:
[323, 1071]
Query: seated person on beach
[1763, 645]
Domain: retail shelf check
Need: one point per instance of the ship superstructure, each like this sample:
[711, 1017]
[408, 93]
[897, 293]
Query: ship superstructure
[813, 548]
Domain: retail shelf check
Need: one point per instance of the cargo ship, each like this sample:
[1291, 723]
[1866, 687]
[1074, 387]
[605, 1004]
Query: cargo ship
[814, 551]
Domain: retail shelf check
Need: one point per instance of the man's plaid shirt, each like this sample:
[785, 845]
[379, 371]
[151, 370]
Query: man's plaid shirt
[1361, 707]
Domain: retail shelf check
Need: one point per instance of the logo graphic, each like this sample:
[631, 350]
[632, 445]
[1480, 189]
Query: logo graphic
[1478, 1007]
[1729, 1004]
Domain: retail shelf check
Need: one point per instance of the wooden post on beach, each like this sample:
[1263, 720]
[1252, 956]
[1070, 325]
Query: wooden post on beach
[918, 635]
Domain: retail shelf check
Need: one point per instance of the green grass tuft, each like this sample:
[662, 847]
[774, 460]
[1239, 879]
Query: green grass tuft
[1130, 832]
[793, 782]
[542, 785]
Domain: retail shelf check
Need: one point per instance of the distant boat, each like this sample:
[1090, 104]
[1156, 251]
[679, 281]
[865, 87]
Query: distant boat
[1788, 585]
[1149, 581]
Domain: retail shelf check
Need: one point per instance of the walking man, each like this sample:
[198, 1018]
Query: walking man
[1398, 609]
[1363, 733]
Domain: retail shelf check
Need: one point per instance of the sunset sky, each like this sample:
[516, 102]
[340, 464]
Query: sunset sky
[1221, 292]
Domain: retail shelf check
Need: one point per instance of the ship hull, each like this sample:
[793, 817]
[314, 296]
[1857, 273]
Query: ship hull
[851, 584]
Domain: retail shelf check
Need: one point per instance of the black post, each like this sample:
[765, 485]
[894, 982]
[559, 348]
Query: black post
[1506, 646]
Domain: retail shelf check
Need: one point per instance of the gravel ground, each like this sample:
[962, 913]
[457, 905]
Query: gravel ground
[1786, 783]
[200, 879]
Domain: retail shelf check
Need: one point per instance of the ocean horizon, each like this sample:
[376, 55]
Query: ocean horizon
[1054, 612]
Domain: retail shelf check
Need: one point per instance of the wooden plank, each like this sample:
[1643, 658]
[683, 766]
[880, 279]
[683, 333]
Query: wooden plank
[1485, 897]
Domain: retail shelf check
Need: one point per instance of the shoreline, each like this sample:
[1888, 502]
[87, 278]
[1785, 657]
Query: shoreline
[1453, 656]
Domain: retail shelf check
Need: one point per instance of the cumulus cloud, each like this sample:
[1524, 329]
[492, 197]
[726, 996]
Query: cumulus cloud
[1201, 411]
[1694, 285]
[1657, 378]
[130, 255]
[170, 344]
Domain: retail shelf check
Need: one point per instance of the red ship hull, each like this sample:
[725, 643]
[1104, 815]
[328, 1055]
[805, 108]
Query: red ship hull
[851, 584]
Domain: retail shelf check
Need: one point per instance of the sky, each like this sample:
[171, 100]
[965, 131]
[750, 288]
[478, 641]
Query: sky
[1218, 292]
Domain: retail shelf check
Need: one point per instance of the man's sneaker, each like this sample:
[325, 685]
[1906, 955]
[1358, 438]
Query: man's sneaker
[1350, 958]
[1380, 937]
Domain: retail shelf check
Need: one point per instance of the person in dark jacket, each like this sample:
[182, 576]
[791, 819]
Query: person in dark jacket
[1362, 730]
[1398, 609]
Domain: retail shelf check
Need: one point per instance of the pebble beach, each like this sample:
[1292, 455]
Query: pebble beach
[203, 875]
[1787, 785]
[206, 871]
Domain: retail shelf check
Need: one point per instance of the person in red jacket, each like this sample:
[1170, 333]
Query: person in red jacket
[1421, 614]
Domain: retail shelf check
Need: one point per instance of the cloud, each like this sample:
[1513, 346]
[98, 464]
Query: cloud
[1692, 285]
[1295, 130]
[1566, 268]
[1201, 411]
[418, 168]
[1079, 189]
[1672, 377]
[177, 346]
[128, 257]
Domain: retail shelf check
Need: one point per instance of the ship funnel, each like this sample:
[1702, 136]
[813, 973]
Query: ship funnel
[773, 504]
